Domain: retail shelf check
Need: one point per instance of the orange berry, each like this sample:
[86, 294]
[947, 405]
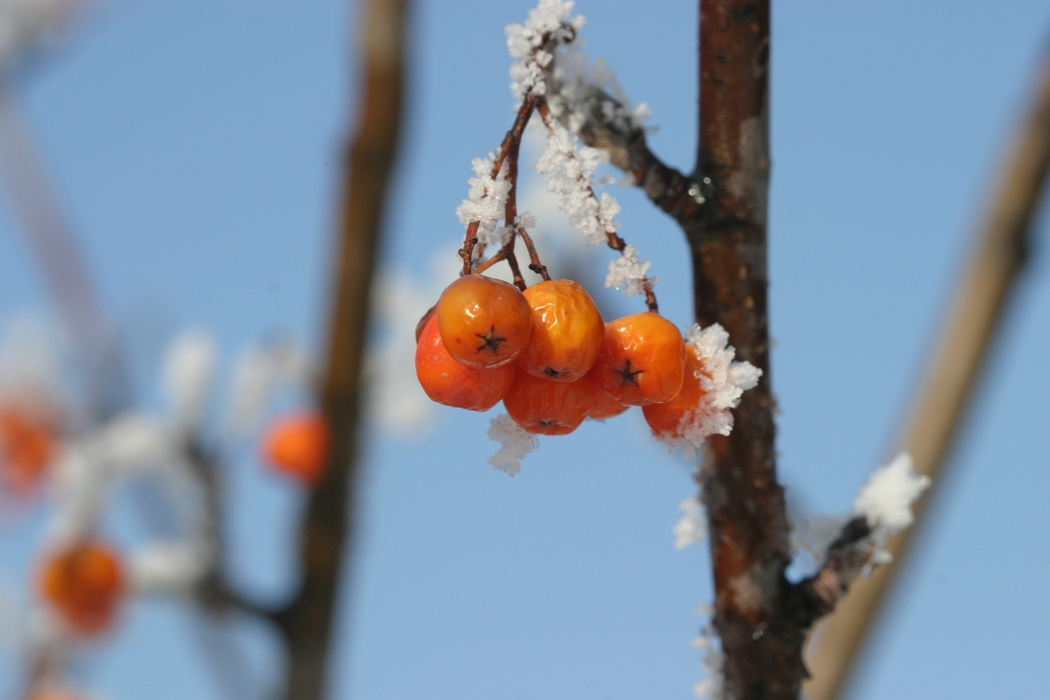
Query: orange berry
[545, 407]
[452, 383]
[84, 583]
[297, 446]
[26, 447]
[567, 331]
[484, 322]
[603, 405]
[668, 420]
[642, 360]
[423, 321]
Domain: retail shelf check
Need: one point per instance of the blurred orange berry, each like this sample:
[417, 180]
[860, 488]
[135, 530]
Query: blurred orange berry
[642, 359]
[27, 445]
[297, 446]
[84, 583]
[567, 331]
[545, 407]
[452, 383]
[668, 420]
[484, 322]
[423, 321]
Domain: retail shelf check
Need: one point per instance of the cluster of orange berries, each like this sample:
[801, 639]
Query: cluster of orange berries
[27, 446]
[552, 360]
[84, 583]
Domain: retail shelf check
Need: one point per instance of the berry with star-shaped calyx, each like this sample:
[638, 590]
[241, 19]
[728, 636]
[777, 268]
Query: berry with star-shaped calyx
[452, 383]
[567, 331]
[642, 359]
[546, 407]
[484, 322]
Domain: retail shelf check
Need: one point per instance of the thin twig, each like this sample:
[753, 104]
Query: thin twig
[327, 527]
[952, 371]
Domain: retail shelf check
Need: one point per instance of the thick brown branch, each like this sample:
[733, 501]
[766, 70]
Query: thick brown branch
[327, 527]
[952, 370]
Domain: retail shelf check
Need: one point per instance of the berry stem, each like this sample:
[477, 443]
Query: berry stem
[615, 241]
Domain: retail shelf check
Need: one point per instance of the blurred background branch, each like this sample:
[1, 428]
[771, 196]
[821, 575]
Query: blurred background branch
[949, 379]
[328, 527]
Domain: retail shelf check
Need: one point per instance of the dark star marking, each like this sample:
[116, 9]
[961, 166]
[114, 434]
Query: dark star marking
[547, 423]
[490, 341]
[627, 375]
[551, 372]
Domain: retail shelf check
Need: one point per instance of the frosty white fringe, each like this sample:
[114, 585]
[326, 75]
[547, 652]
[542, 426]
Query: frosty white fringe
[549, 20]
[723, 380]
[711, 661]
[515, 444]
[690, 528]
[485, 199]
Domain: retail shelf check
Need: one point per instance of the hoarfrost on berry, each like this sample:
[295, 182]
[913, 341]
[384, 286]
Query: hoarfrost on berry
[887, 497]
[723, 380]
[515, 444]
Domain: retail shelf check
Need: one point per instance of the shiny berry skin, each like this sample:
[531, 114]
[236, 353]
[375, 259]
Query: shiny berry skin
[549, 408]
[297, 446]
[667, 420]
[27, 445]
[452, 383]
[603, 405]
[642, 360]
[567, 331]
[484, 322]
[84, 583]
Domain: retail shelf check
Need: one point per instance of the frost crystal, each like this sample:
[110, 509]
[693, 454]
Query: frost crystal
[690, 529]
[571, 169]
[711, 661]
[485, 199]
[188, 373]
[627, 272]
[167, 567]
[515, 441]
[723, 381]
[887, 496]
[261, 371]
[548, 21]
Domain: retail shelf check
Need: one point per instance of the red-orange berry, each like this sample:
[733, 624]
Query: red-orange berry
[84, 583]
[297, 446]
[642, 360]
[452, 383]
[423, 321]
[26, 447]
[545, 407]
[668, 420]
[484, 322]
[603, 405]
[567, 331]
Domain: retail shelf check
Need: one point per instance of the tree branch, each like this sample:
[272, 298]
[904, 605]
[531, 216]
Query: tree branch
[952, 370]
[327, 528]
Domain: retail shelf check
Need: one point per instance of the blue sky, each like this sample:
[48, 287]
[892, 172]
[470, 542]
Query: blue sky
[196, 148]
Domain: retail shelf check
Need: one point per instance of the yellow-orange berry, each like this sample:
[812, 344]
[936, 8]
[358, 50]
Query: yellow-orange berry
[642, 359]
[603, 405]
[84, 583]
[26, 447]
[297, 446]
[484, 322]
[567, 331]
[546, 407]
[668, 420]
[452, 383]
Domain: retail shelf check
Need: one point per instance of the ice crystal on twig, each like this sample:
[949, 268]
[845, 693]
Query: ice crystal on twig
[690, 528]
[627, 273]
[188, 372]
[711, 661]
[549, 21]
[571, 170]
[887, 497]
[485, 200]
[515, 443]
